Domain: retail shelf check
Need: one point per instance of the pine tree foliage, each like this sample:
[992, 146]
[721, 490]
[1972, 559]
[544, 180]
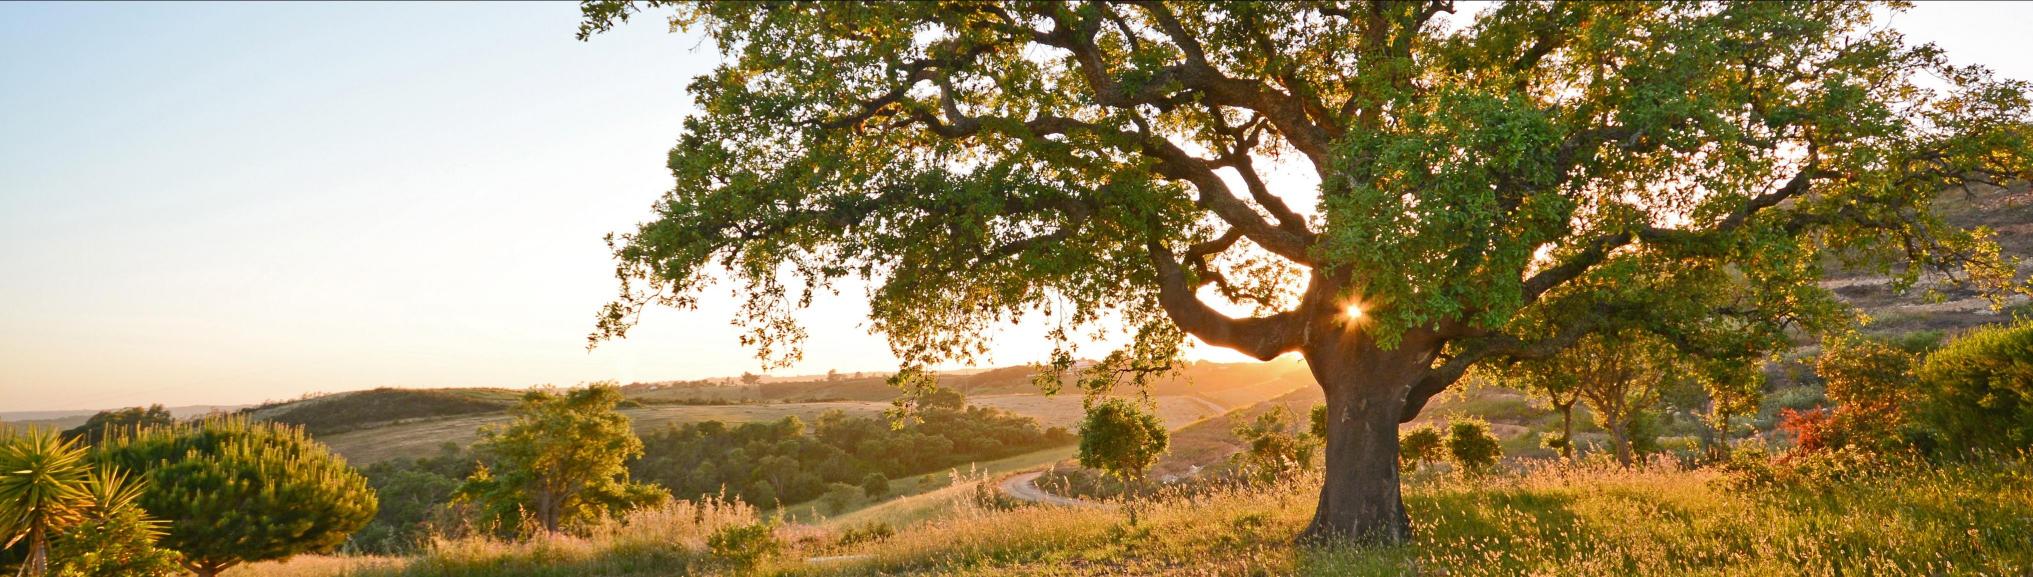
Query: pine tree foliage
[234, 491]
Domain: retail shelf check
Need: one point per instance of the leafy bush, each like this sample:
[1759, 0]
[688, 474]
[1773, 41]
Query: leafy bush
[875, 486]
[1420, 445]
[1871, 383]
[744, 547]
[1274, 446]
[1978, 389]
[116, 538]
[1471, 446]
[838, 497]
[865, 533]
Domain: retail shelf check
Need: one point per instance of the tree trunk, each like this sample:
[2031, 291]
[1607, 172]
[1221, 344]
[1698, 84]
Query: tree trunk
[1619, 437]
[37, 564]
[1567, 430]
[207, 568]
[1365, 387]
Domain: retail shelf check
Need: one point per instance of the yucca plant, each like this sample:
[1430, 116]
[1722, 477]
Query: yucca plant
[117, 537]
[43, 480]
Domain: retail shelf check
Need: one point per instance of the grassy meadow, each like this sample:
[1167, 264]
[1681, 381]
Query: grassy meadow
[1549, 518]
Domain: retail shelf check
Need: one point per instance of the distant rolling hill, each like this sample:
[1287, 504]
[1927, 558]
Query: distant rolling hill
[378, 424]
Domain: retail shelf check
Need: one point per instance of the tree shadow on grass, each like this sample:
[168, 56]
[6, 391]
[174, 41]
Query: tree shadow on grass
[1498, 520]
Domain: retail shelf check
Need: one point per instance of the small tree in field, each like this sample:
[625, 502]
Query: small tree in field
[235, 491]
[1553, 379]
[1122, 439]
[563, 460]
[1461, 195]
[1620, 378]
[1977, 391]
[1273, 445]
[1471, 446]
[1420, 445]
[42, 492]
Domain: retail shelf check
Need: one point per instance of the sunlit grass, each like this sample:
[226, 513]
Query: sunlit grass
[1548, 520]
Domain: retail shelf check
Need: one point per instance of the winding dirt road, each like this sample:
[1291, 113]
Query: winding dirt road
[1024, 487]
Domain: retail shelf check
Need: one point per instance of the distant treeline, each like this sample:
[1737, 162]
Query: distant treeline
[788, 462]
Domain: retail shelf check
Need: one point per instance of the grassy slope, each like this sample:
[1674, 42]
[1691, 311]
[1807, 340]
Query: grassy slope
[1959, 520]
[365, 435]
[422, 438]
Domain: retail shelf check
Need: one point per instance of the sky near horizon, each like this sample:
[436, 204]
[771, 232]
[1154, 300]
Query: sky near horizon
[232, 202]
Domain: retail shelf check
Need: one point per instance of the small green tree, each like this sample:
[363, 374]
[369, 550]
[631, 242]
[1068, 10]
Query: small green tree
[235, 491]
[563, 460]
[875, 485]
[1419, 445]
[1977, 391]
[1122, 439]
[42, 491]
[121, 421]
[1619, 377]
[117, 538]
[1554, 380]
[1472, 447]
[1274, 448]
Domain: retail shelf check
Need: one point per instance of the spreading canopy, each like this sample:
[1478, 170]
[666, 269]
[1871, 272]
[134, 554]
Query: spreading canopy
[1242, 172]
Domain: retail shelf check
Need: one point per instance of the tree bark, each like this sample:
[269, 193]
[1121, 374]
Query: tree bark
[1619, 436]
[37, 564]
[1567, 430]
[1360, 499]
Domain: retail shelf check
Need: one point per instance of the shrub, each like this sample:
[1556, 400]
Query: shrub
[1977, 391]
[1871, 383]
[236, 491]
[1275, 447]
[838, 496]
[744, 547]
[1471, 446]
[865, 533]
[1419, 445]
[875, 486]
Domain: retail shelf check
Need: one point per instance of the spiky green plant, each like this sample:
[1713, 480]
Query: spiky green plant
[117, 538]
[42, 491]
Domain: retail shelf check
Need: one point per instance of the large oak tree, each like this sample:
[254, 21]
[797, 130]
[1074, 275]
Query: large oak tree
[1486, 194]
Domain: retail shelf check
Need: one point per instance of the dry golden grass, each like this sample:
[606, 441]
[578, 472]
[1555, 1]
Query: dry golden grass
[1551, 519]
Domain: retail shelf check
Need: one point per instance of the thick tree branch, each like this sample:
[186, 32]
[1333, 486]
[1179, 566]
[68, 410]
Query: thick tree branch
[1260, 337]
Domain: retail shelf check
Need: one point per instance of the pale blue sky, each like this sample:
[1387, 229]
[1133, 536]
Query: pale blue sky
[224, 203]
